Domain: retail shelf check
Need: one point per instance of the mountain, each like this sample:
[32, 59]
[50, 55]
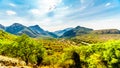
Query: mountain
[106, 31]
[2, 27]
[15, 28]
[32, 31]
[77, 31]
[51, 34]
[61, 32]
[29, 32]
[37, 29]
[40, 32]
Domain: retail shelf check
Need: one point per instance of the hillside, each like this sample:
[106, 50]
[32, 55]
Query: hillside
[5, 35]
[97, 36]
[94, 38]
[77, 31]
[29, 32]
[8, 62]
[61, 32]
[106, 31]
[2, 27]
[29, 50]
[90, 50]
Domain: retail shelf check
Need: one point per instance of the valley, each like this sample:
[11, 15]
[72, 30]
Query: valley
[91, 48]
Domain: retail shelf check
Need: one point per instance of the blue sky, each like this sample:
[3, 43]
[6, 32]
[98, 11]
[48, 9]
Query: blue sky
[59, 14]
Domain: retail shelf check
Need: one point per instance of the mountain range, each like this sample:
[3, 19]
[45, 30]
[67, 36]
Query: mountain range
[32, 31]
[36, 31]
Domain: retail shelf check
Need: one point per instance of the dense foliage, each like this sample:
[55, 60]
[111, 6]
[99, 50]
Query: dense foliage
[24, 48]
[100, 55]
[63, 53]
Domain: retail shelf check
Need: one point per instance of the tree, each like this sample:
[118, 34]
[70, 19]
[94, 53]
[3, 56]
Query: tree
[30, 50]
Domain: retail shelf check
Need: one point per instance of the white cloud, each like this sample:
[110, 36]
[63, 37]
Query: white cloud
[49, 4]
[10, 12]
[45, 6]
[38, 12]
[11, 4]
[108, 4]
[35, 11]
[110, 23]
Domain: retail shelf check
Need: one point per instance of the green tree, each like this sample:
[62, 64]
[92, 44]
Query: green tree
[29, 50]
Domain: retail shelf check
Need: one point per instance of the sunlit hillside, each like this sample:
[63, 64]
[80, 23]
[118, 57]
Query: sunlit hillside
[23, 51]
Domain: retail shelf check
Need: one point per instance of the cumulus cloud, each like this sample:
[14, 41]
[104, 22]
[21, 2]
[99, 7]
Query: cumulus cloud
[45, 6]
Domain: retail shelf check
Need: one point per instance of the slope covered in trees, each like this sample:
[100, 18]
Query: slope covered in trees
[64, 53]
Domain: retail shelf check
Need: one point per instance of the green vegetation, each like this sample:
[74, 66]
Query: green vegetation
[22, 47]
[87, 39]
[84, 51]
[106, 31]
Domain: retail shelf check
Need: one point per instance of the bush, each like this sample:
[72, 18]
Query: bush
[25, 48]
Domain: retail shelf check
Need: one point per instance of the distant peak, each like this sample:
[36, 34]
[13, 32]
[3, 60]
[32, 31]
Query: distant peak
[36, 25]
[78, 27]
[16, 24]
[1, 25]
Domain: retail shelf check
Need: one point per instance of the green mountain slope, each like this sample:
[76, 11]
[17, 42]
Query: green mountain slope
[106, 31]
[5, 35]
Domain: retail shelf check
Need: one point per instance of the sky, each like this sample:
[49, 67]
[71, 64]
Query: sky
[55, 15]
